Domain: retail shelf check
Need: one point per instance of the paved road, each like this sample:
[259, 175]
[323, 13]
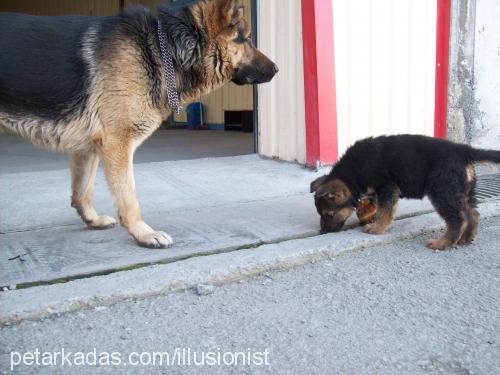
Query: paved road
[393, 309]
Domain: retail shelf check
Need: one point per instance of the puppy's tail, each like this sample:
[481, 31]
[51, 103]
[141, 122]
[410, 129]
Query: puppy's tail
[484, 156]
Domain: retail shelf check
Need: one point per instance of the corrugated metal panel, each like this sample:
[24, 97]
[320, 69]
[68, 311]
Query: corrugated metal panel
[385, 53]
[281, 102]
[61, 7]
[149, 3]
[485, 127]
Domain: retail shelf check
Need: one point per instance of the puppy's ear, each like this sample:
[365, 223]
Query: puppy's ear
[335, 189]
[317, 183]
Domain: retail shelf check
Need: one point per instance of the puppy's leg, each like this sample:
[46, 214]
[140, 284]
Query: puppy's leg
[470, 232]
[472, 215]
[83, 172]
[387, 199]
[116, 152]
[452, 207]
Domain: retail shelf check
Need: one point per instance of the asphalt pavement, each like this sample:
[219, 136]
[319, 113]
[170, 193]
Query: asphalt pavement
[397, 308]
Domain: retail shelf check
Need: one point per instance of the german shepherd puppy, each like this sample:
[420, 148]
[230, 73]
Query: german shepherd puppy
[406, 166]
[95, 88]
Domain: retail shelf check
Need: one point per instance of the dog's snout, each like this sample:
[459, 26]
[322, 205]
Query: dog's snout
[275, 69]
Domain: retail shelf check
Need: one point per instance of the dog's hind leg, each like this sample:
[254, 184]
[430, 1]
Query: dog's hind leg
[387, 199]
[448, 196]
[470, 232]
[83, 172]
[116, 152]
[472, 215]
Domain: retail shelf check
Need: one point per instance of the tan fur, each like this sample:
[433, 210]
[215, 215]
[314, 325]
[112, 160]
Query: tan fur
[470, 232]
[470, 173]
[343, 214]
[447, 239]
[123, 102]
[119, 115]
[119, 100]
[83, 173]
[385, 217]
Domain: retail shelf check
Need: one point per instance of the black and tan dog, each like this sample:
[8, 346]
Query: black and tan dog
[406, 166]
[95, 87]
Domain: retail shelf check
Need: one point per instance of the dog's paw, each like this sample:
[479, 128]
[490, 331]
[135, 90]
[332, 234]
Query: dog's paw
[467, 238]
[156, 240]
[373, 229]
[102, 222]
[147, 237]
[437, 244]
[465, 241]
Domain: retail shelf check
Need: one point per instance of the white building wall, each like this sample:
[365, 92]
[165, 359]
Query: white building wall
[385, 54]
[486, 126]
[281, 102]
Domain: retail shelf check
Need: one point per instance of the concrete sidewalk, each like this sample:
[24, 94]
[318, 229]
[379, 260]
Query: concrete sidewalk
[208, 206]
[202, 272]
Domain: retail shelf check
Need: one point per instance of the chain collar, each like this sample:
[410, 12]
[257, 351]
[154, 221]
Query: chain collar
[168, 68]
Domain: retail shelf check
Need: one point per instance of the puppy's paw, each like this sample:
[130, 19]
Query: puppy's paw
[437, 244]
[102, 222]
[467, 238]
[465, 241]
[374, 229]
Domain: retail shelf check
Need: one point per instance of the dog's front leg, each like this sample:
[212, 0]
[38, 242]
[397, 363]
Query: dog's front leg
[117, 152]
[387, 199]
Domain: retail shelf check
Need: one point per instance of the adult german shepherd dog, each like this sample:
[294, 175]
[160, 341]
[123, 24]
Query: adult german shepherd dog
[96, 87]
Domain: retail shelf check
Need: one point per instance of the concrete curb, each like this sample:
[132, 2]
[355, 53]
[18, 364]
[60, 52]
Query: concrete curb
[44, 301]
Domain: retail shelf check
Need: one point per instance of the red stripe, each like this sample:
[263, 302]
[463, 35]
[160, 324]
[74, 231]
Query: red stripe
[442, 59]
[319, 82]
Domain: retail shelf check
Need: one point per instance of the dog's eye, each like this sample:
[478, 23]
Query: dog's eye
[331, 195]
[331, 213]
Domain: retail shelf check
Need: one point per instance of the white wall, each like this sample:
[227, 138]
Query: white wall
[385, 53]
[281, 102]
[486, 125]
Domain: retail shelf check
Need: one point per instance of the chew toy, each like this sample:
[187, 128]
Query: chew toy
[366, 209]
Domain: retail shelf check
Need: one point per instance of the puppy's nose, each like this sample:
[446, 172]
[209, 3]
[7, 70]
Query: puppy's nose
[275, 68]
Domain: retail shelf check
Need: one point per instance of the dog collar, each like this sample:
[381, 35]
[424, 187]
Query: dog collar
[168, 68]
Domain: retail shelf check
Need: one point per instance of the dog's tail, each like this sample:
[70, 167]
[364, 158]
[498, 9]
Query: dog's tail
[484, 156]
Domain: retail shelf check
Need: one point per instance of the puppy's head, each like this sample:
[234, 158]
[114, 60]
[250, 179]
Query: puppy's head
[333, 201]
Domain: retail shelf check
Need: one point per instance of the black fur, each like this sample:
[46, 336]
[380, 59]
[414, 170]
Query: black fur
[43, 73]
[416, 164]
[186, 42]
[411, 166]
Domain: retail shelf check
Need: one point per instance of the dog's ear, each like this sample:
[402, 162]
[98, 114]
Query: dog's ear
[230, 12]
[317, 183]
[335, 189]
[183, 36]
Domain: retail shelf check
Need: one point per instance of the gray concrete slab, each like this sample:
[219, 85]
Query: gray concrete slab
[44, 301]
[17, 155]
[207, 205]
